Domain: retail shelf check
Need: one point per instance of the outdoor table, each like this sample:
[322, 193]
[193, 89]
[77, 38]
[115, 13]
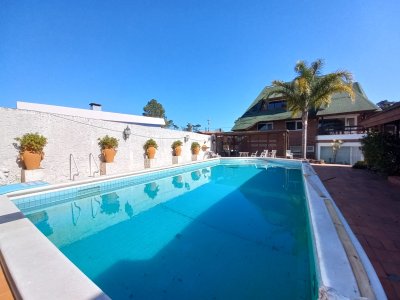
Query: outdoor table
[244, 154]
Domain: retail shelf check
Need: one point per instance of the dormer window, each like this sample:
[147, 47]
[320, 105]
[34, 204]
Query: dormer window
[277, 105]
[271, 105]
[265, 126]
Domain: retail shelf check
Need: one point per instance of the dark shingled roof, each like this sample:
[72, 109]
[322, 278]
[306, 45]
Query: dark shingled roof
[341, 103]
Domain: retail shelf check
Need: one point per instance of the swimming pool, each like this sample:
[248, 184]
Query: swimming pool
[226, 228]
[226, 231]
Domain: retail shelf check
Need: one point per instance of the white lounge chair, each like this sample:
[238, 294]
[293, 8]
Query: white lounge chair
[211, 154]
[289, 154]
[273, 153]
[264, 153]
[254, 154]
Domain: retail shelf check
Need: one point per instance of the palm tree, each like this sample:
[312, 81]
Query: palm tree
[309, 90]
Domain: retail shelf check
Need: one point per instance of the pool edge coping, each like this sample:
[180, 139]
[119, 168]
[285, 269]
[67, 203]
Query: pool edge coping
[329, 276]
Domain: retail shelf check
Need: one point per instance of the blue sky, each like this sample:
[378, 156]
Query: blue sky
[201, 59]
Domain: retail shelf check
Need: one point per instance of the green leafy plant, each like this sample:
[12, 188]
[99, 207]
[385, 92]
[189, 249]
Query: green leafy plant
[150, 143]
[176, 144]
[336, 145]
[360, 165]
[382, 152]
[33, 142]
[194, 146]
[108, 142]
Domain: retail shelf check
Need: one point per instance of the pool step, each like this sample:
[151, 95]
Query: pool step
[90, 191]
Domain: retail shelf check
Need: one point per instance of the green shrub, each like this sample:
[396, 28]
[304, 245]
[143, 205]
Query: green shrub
[176, 144]
[382, 152]
[108, 142]
[194, 146]
[150, 143]
[33, 142]
[360, 165]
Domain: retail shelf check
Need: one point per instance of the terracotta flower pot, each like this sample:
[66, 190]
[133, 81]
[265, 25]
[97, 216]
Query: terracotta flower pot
[109, 154]
[151, 152]
[32, 160]
[178, 151]
[196, 150]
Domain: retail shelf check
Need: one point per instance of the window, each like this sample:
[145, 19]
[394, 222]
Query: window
[297, 149]
[294, 125]
[350, 121]
[264, 126]
[275, 105]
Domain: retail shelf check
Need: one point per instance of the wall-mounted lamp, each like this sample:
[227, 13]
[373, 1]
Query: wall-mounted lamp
[126, 133]
[186, 138]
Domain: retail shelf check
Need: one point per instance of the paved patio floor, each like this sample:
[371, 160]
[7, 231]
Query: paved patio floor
[371, 206]
[5, 292]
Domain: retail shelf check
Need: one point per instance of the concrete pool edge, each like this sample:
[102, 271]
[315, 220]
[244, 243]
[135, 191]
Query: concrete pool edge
[34, 267]
[338, 278]
[335, 279]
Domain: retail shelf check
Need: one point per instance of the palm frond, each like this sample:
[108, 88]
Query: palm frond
[316, 66]
[300, 67]
[330, 84]
[345, 75]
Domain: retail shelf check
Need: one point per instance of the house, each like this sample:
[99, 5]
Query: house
[387, 120]
[338, 121]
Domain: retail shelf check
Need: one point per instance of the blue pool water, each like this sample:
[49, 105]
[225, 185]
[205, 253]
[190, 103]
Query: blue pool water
[219, 232]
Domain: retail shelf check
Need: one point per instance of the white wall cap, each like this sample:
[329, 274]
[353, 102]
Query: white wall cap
[91, 114]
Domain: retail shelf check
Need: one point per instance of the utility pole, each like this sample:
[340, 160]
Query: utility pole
[208, 122]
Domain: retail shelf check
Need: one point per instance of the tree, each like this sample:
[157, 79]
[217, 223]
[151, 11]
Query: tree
[170, 124]
[192, 128]
[155, 109]
[385, 104]
[309, 90]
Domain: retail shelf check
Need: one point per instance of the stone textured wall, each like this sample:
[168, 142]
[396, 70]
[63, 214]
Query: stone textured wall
[78, 136]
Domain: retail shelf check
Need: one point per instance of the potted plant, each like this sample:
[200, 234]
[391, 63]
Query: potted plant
[150, 147]
[177, 147]
[31, 149]
[195, 147]
[108, 145]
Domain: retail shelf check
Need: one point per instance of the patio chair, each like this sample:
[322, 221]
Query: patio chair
[289, 154]
[264, 153]
[273, 153]
[211, 154]
[254, 154]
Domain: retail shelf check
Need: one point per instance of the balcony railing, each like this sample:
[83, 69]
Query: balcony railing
[340, 129]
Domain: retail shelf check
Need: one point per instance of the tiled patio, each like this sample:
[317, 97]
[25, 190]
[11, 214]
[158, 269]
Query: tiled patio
[371, 206]
[5, 292]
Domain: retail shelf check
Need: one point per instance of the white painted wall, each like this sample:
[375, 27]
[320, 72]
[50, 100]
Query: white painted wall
[77, 135]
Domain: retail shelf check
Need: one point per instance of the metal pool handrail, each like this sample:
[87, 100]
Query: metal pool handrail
[90, 165]
[72, 159]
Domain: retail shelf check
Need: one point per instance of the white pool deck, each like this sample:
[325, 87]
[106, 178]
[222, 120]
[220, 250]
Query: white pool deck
[36, 269]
